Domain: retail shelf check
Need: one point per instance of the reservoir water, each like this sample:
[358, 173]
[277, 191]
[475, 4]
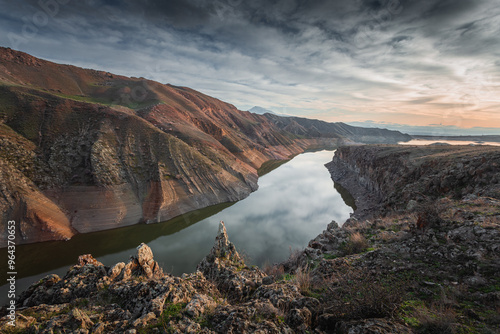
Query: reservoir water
[294, 203]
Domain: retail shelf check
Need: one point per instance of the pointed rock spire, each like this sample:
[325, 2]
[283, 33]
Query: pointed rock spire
[223, 248]
[222, 255]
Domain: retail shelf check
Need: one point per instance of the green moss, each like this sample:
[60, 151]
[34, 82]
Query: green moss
[329, 256]
[408, 312]
[205, 321]
[314, 294]
[489, 289]
[172, 312]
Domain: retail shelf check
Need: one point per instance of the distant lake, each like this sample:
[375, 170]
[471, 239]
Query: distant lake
[294, 203]
[449, 142]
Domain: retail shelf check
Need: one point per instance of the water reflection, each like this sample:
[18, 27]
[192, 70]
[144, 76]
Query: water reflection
[40, 257]
[346, 196]
[294, 203]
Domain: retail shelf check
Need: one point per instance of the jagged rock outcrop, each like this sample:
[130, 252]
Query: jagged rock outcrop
[222, 255]
[391, 274]
[225, 266]
[225, 297]
[385, 275]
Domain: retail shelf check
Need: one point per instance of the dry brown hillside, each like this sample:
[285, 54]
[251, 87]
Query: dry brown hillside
[85, 150]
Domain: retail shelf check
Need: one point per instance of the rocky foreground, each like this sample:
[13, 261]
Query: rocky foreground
[430, 267]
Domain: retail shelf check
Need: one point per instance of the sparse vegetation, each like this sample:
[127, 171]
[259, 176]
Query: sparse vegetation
[302, 279]
[276, 271]
[357, 295]
[427, 216]
[438, 318]
[356, 244]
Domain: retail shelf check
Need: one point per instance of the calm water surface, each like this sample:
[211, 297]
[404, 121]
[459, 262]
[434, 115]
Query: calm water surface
[293, 204]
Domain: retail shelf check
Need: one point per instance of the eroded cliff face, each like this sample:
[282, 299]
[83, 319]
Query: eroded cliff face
[110, 169]
[83, 151]
[401, 177]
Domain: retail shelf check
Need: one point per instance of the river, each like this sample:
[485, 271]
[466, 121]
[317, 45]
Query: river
[294, 203]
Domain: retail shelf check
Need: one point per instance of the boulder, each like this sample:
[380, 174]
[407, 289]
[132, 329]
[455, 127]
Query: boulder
[143, 264]
[88, 259]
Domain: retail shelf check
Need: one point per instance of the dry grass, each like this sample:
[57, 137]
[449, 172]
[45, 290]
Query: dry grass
[428, 215]
[386, 236]
[276, 271]
[303, 280]
[357, 295]
[295, 255]
[356, 244]
[491, 222]
[437, 321]
[294, 261]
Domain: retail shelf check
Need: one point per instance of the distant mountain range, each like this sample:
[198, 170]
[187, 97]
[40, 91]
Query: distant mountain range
[436, 130]
[261, 111]
[84, 150]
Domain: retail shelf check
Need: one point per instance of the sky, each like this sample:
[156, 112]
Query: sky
[428, 63]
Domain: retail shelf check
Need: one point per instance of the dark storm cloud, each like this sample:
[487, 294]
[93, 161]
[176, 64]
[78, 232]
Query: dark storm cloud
[404, 57]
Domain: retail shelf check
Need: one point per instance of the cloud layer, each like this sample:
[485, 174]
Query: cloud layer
[409, 62]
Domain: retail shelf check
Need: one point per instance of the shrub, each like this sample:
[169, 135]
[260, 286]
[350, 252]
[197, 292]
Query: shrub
[427, 216]
[357, 295]
[437, 322]
[294, 261]
[438, 319]
[276, 271]
[356, 244]
[303, 280]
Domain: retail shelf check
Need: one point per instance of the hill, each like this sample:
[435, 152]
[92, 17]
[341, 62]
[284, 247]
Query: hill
[85, 150]
[261, 111]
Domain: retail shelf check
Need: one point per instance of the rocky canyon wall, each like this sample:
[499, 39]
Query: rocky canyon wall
[81, 152]
[401, 177]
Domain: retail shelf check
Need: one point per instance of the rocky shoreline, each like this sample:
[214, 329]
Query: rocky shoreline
[429, 266]
[76, 156]
[393, 178]
[365, 198]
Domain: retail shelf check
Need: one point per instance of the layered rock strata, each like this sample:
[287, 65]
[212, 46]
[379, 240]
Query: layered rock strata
[84, 150]
[387, 177]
